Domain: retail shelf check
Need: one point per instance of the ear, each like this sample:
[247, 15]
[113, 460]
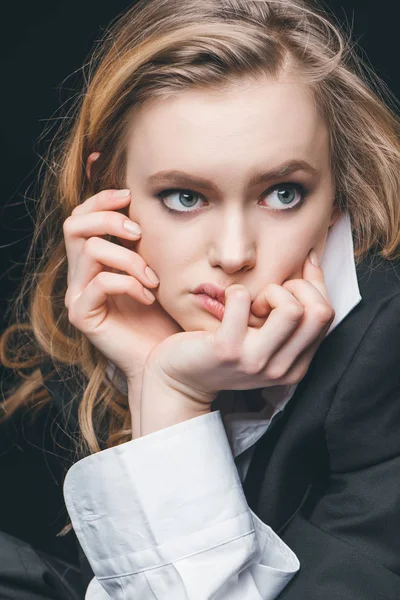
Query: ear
[91, 158]
[334, 215]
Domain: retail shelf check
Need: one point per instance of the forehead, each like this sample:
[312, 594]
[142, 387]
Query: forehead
[259, 122]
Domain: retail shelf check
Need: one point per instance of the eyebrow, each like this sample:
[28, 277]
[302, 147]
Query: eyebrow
[181, 178]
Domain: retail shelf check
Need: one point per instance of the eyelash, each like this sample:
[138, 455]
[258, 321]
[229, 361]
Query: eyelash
[297, 186]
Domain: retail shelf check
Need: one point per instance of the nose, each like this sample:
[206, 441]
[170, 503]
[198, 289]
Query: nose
[233, 245]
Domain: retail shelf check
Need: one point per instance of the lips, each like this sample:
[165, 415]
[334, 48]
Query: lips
[213, 291]
[212, 297]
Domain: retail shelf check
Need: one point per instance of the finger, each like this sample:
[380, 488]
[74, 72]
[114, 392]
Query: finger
[97, 254]
[302, 364]
[104, 200]
[233, 328]
[85, 310]
[307, 290]
[285, 317]
[317, 319]
[260, 306]
[315, 275]
[78, 228]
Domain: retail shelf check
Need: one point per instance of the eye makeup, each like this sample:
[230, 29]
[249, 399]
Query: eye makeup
[298, 187]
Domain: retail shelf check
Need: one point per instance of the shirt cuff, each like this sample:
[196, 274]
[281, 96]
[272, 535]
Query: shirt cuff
[159, 498]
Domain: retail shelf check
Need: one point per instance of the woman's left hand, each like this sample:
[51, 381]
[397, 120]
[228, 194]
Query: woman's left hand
[190, 368]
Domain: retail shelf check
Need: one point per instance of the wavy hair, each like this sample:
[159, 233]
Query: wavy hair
[154, 50]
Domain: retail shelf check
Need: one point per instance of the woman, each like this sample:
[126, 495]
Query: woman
[236, 428]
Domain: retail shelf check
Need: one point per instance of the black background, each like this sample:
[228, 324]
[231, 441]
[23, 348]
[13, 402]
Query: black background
[45, 43]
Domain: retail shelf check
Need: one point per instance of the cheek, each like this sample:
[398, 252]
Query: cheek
[318, 234]
[166, 259]
[152, 241]
[149, 248]
[313, 238]
[303, 240]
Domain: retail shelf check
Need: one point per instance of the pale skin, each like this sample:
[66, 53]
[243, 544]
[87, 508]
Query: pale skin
[230, 237]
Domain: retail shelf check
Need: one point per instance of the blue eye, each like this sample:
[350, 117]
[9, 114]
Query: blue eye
[288, 196]
[185, 196]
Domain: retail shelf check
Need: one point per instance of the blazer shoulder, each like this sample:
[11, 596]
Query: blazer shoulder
[362, 424]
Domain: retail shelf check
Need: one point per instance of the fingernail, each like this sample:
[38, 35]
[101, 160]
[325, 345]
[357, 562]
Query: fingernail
[132, 227]
[151, 275]
[148, 294]
[235, 289]
[121, 193]
[313, 258]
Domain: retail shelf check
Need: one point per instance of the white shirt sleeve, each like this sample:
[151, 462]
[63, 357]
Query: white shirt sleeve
[165, 516]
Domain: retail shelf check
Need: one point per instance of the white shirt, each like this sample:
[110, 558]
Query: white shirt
[165, 517]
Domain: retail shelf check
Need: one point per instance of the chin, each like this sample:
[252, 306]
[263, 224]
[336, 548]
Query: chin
[200, 323]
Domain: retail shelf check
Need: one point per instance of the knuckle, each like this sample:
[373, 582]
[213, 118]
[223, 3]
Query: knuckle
[126, 267]
[100, 280]
[294, 311]
[290, 284]
[296, 375]
[276, 371]
[68, 225]
[91, 245]
[110, 221]
[254, 367]
[130, 263]
[323, 312]
[227, 353]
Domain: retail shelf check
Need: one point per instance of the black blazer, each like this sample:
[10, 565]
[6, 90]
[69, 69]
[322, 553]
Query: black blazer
[325, 475]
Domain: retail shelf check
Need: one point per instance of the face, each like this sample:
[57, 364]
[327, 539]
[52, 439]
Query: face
[221, 222]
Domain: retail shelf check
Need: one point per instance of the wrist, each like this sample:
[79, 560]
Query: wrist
[162, 405]
[134, 400]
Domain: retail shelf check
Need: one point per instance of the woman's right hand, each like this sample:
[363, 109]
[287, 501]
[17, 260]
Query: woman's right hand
[111, 308]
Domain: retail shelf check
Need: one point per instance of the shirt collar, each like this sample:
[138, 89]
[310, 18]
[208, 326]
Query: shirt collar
[339, 270]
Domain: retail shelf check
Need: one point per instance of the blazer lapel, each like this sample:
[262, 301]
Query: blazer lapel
[290, 461]
[290, 480]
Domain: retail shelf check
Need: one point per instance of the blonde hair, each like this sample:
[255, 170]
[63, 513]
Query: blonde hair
[154, 50]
